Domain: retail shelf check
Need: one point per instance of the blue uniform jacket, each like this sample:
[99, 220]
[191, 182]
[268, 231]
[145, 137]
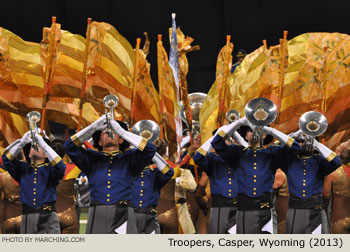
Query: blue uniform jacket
[37, 182]
[255, 167]
[110, 173]
[147, 187]
[222, 178]
[306, 174]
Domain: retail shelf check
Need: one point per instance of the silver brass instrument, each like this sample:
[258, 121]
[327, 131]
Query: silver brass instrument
[110, 101]
[260, 112]
[33, 118]
[312, 124]
[196, 101]
[232, 115]
[147, 129]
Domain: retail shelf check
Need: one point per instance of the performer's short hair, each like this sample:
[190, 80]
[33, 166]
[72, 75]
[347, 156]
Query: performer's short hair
[57, 146]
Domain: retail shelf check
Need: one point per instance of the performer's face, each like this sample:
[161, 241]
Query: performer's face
[197, 141]
[37, 155]
[250, 138]
[109, 144]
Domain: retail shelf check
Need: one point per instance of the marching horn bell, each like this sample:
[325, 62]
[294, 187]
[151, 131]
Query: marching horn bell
[313, 123]
[260, 111]
[147, 129]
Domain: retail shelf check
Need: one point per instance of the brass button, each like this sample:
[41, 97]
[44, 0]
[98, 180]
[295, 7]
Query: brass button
[254, 189]
[141, 176]
[107, 200]
[109, 174]
[141, 194]
[304, 180]
[34, 178]
[140, 205]
[108, 195]
[34, 199]
[35, 169]
[229, 190]
[303, 190]
[140, 201]
[229, 194]
[229, 179]
[141, 190]
[254, 180]
[304, 184]
[34, 193]
[108, 182]
[254, 168]
[254, 193]
[34, 182]
[254, 163]
[109, 170]
[229, 172]
[34, 189]
[34, 204]
[254, 176]
[303, 195]
[254, 151]
[35, 172]
[108, 186]
[229, 183]
[254, 155]
[110, 162]
[304, 170]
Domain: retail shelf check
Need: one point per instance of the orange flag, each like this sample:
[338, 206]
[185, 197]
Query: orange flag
[12, 127]
[146, 100]
[110, 63]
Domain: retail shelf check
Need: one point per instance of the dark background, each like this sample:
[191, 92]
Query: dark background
[208, 22]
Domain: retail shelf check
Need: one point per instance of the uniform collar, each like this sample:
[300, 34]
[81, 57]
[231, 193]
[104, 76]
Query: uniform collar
[38, 164]
[111, 153]
[254, 148]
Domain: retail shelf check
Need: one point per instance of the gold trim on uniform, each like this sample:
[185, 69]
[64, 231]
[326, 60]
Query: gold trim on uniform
[165, 169]
[142, 144]
[76, 140]
[202, 151]
[290, 142]
[331, 157]
[222, 133]
[56, 160]
[9, 155]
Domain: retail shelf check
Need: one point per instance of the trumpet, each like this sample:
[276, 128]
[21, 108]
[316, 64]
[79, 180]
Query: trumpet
[312, 124]
[232, 115]
[33, 118]
[260, 112]
[110, 101]
[147, 129]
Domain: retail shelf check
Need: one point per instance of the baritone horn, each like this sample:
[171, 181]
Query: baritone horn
[110, 101]
[147, 129]
[232, 115]
[196, 101]
[33, 118]
[260, 112]
[312, 124]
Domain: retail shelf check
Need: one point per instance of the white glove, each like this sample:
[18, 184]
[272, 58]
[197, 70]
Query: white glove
[324, 150]
[84, 135]
[281, 137]
[161, 164]
[52, 156]
[135, 140]
[206, 147]
[240, 140]
[228, 129]
[15, 148]
[296, 134]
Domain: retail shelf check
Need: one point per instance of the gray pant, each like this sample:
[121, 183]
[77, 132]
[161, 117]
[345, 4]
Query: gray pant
[222, 219]
[305, 221]
[105, 219]
[252, 221]
[40, 223]
[147, 223]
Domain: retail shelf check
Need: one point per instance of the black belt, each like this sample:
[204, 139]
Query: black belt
[313, 202]
[258, 203]
[218, 200]
[181, 201]
[45, 208]
[120, 203]
[147, 210]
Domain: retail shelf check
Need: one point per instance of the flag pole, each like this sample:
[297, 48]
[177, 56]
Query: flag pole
[324, 86]
[160, 88]
[132, 112]
[84, 76]
[48, 72]
[283, 43]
